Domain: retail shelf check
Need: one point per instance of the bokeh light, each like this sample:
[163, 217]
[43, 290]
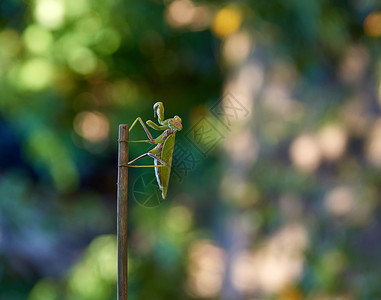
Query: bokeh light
[340, 201]
[179, 219]
[332, 141]
[227, 21]
[273, 267]
[92, 126]
[90, 278]
[82, 60]
[305, 153]
[36, 74]
[354, 64]
[37, 39]
[244, 273]
[184, 13]
[373, 146]
[372, 24]
[45, 289]
[237, 47]
[108, 41]
[242, 147]
[50, 13]
[180, 13]
[206, 267]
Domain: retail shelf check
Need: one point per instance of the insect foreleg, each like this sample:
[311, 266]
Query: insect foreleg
[144, 127]
[158, 110]
[155, 126]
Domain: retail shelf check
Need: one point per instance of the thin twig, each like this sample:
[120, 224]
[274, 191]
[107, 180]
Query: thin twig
[122, 212]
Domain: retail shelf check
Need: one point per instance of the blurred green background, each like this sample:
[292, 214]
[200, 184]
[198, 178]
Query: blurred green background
[275, 186]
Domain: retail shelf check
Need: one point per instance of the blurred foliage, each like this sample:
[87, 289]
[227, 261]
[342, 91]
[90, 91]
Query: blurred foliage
[285, 205]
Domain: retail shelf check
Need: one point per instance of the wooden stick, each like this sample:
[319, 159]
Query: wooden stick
[122, 212]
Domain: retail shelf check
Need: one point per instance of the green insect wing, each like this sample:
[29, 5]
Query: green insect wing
[166, 156]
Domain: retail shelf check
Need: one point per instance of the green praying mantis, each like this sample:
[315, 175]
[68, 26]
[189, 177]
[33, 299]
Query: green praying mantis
[162, 153]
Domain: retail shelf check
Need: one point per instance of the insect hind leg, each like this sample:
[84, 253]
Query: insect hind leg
[136, 159]
[145, 155]
[158, 159]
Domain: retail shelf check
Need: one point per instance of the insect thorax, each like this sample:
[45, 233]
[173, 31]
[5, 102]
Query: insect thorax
[166, 134]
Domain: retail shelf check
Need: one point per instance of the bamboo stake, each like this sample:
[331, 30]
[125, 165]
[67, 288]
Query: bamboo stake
[122, 212]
